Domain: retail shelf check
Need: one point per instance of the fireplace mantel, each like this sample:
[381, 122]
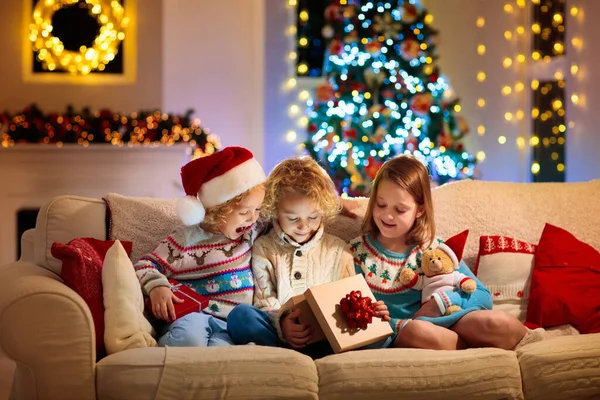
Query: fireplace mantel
[33, 174]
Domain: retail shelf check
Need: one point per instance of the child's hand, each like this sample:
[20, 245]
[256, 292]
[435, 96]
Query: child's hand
[162, 298]
[381, 311]
[429, 309]
[297, 335]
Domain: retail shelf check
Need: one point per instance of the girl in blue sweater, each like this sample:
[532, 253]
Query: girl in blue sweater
[398, 226]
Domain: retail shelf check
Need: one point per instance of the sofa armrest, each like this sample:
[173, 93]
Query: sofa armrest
[47, 329]
[564, 367]
[27, 240]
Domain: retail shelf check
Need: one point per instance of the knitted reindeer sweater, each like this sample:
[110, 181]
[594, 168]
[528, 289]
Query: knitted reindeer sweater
[213, 265]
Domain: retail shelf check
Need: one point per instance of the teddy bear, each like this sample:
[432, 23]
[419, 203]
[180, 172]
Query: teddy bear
[439, 264]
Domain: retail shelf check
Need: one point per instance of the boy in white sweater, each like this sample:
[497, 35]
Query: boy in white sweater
[294, 256]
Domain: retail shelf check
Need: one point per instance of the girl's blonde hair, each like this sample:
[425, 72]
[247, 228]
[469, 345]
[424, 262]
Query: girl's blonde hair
[215, 216]
[300, 176]
[411, 175]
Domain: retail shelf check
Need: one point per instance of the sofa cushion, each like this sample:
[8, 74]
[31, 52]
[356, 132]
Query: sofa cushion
[504, 266]
[565, 282]
[564, 367]
[81, 270]
[126, 327]
[420, 374]
[65, 218]
[251, 372]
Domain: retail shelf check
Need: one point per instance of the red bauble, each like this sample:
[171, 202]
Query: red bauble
[334, 13]
[373, 167]
[373, 48]
[336, 47]
[351, 134]
[445, 140]
[324, 93]
[312, 128]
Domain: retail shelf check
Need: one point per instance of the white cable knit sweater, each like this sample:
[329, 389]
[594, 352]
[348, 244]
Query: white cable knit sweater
[283, 268]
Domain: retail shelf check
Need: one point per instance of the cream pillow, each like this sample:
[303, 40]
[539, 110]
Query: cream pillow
[125, 326]
[504, 266]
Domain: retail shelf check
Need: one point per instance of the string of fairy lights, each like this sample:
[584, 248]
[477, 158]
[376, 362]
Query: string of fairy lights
[300, 89]
[519, 64]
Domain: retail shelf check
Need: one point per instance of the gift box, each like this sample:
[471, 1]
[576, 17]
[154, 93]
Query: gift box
[306, 317]
[324, 301]
[192, 301]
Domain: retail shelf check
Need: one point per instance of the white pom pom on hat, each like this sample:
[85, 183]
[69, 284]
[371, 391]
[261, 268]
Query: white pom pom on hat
[189, 210]
[216, 179]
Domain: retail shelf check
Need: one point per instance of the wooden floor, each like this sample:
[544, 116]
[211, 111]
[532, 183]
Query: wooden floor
[6, 375]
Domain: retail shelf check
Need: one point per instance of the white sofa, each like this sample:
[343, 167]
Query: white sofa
[47, 329]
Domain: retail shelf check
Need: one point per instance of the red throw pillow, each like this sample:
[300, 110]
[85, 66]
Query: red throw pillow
[457, 243]
[82, 260]
[564, 283]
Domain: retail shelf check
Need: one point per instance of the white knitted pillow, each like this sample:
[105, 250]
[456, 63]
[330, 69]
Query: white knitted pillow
[504, 266]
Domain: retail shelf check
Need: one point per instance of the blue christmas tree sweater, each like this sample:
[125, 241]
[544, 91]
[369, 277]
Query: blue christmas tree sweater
[381, 269]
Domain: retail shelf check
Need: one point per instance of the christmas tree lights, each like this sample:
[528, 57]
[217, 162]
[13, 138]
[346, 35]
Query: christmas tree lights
[384, 96]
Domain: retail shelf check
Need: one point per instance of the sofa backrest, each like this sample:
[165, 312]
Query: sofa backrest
[519, 210]
[65, 218]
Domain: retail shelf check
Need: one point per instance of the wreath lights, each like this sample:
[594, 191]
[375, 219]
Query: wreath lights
[51, 51]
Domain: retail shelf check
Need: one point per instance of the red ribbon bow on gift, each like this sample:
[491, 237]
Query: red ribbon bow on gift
[359, 310]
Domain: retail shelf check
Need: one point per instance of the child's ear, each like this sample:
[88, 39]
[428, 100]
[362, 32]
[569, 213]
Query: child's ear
[420, 211]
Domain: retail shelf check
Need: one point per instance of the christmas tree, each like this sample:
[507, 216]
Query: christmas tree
[384, 95]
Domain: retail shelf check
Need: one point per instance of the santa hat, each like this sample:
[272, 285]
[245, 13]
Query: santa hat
[216, 179]
[446, 249]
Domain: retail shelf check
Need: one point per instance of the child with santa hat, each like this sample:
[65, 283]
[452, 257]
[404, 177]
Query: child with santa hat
[211, 251]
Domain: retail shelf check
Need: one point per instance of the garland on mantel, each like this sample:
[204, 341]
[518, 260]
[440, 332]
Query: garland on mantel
[106, 127]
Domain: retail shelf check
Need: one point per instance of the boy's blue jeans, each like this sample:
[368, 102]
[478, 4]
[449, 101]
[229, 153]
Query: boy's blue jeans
[196, 330]
[247, 324]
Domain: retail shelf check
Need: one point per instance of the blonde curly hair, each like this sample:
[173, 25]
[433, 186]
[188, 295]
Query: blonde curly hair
[300, 176]
[216, 216]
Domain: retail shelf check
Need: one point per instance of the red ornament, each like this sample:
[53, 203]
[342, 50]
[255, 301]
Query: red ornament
[408, 13]
[359, 310]
[445, 140]
[410, 49]
[324, 93]
[312, 128]
[434, 77]
[373, 48]
[351, 133]
[334, 13]
[420, 104]
[373, 167]
[336, 47]
[460, 147]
